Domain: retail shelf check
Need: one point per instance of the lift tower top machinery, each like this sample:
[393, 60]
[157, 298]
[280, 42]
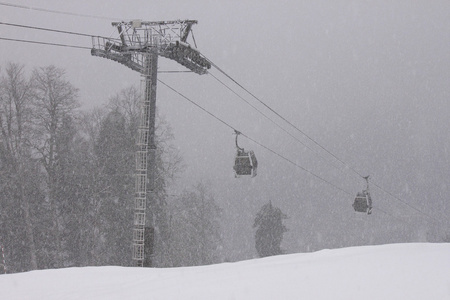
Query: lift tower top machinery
[137, 47]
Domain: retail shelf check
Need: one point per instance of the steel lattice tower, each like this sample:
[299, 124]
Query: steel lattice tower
[137, 47]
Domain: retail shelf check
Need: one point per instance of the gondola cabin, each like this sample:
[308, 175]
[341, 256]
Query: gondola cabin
[245, 163]
[363, 203]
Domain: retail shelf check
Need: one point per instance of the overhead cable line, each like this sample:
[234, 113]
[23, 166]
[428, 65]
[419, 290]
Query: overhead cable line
[386, 213]
[56, 11]
[401, 220]
[228, 76]
[406, 203]
[279, 126]
[51, 30]
[44, 43]
[275, 123]
[254, 141]
[315, 142]
[192, 102]
[272, 151]
[283, 118]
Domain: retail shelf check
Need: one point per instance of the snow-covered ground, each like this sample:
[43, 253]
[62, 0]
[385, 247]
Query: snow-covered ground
[398, 271]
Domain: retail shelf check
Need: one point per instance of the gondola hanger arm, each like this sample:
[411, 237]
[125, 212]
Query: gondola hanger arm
[237, 134]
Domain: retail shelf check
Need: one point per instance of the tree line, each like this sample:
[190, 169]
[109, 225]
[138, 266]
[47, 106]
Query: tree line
[67, 185]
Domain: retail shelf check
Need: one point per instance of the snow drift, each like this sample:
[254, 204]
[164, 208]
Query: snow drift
[397, 271]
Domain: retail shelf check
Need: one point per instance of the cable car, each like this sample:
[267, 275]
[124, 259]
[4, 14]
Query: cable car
[363, 201]
[245, 162]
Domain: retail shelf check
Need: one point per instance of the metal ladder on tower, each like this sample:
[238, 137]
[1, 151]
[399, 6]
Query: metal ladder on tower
[145, 156]
[3, 262]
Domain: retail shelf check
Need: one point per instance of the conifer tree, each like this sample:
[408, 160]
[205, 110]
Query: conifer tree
[270, 230]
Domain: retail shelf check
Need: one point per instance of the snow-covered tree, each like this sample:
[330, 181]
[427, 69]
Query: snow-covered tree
[270, 230]
[195, 236]
[110, 134]
[114, 152]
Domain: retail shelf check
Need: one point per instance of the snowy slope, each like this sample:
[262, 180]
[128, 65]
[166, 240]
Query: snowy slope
[398, 271]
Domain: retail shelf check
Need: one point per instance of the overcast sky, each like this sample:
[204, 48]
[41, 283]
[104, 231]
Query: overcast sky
[368, 80]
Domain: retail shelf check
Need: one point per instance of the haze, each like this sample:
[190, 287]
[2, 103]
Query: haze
[367, 80]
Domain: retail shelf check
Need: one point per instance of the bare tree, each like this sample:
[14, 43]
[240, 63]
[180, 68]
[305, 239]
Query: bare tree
[54, 103]
[15, 157]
